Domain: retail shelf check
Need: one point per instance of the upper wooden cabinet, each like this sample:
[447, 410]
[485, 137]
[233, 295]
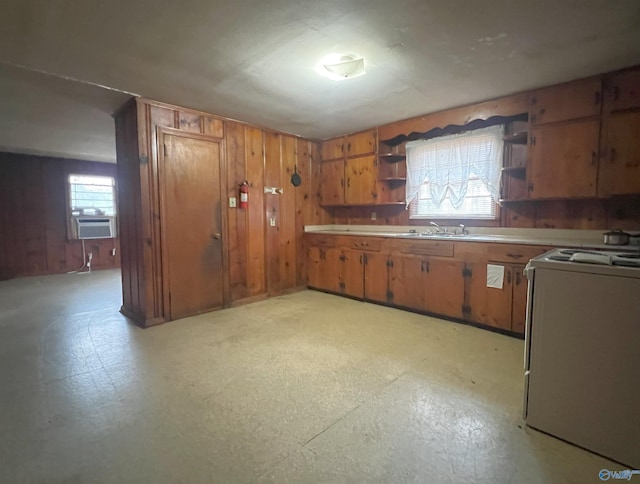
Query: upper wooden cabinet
[563, 160]
[333, 149]
[580, 99]
[623, 90]
[361, 180]
[332, 182]
[359, 144]
[620, 168]
[620, 161]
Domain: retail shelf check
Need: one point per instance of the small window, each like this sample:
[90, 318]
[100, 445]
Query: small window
[455, 176]
[92, 195]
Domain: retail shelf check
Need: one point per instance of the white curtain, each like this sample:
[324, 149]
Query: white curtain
[447, 163]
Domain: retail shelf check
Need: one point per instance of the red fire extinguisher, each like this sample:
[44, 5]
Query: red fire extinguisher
[244, 194]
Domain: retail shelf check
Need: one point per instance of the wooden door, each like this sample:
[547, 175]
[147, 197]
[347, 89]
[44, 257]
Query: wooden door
[563, 160]
[360, 144]
[620, 170]
[405, 282]
[361, 184]
[332, 182]
[332, 149]
[488, 305]
[352, 273]
[376, 277]
[574, 100]
[444, 287]
[519, 305]
[625, 90]
[191, 224]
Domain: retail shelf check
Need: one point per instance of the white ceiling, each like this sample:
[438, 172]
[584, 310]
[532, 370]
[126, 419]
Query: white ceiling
[254, 60]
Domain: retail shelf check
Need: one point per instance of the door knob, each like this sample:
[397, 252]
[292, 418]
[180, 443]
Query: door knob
[217, 236]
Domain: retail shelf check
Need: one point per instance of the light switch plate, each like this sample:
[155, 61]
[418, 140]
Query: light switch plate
[232, 202]
[272, 221]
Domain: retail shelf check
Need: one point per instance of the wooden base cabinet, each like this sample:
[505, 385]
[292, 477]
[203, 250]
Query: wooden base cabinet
[336, 270]
[499, 308]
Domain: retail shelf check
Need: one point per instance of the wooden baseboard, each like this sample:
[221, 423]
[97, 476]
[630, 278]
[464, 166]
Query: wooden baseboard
[140, 320]
[249, 300]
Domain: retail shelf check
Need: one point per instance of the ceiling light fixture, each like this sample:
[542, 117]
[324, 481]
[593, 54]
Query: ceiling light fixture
[339, 67]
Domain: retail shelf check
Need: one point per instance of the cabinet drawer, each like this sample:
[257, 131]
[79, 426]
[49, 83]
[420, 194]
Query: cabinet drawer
[363, 243]
[514, 253]
[428, 247]
[361, 144]
[318, 240]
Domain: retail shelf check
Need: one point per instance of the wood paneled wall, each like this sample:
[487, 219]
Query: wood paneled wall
[600, 214]
[34, 217]
[262, 259]
[622, 212]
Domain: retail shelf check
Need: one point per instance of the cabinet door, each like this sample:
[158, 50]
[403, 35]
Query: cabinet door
[444, 287]
[324, 267]
[333, 149]
[620, 171]
[332, 182]
[376, 279]
[488, 305]
[361, 181]
[625, 90]
[574, 100]
[563, 160]
[361, 144]
[519, 305]
[351, 273]
[405, 282]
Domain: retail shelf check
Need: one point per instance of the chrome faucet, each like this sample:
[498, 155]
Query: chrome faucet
[438, 228]
[463, 231]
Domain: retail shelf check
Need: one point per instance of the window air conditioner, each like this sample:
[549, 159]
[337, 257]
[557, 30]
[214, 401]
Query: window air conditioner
[95, 228]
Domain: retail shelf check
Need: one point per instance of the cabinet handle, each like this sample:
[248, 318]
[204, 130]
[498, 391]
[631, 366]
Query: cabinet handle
[349, 148]
[533, 141]
[343, 258]
[613, 155]
[349, 182]
[518, 278]
[594, 158]
[361, 257]
[514, 256]
[509, 277]
[597, 97]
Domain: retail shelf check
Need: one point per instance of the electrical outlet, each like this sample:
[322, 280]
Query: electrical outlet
[232, 202]
[374, 216]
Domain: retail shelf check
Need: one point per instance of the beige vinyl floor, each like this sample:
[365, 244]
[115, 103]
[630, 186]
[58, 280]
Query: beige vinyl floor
[307, 387]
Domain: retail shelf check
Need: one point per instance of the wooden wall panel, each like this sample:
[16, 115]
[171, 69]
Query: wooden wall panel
[272, 178]
[33, 233]
[260, 259]
[287, 226]
[237, 221]
[256, 263]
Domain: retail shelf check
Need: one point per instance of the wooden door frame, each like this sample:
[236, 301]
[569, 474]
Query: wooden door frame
[161, 132]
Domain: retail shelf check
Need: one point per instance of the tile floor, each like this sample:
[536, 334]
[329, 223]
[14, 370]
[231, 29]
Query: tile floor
[307, 387]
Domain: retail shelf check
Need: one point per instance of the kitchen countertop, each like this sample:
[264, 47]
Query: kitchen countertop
[552, 237]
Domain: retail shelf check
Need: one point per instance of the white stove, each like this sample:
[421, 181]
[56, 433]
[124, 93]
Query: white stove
[602, 257]
[582, 357]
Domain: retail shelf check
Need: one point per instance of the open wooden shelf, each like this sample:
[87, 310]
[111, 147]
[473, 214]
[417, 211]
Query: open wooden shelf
[394, 179]
[392, 157]
[515, 200]
[519, 138]
[517, 171]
